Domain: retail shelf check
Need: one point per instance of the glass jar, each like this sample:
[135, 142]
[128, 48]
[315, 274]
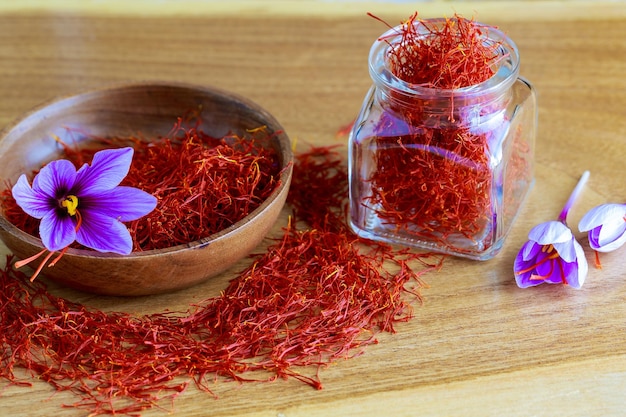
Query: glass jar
[442, 169]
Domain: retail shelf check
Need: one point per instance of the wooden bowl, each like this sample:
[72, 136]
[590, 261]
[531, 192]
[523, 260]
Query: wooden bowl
[152, 109]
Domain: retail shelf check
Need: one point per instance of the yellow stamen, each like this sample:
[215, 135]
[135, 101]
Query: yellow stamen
[71, 204]
[547, 248]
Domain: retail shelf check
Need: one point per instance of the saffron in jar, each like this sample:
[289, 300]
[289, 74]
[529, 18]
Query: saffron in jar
[441, 154]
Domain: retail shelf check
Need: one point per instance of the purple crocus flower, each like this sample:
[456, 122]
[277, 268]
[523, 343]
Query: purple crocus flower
[606, 225]
[88, 205]
[552, 255]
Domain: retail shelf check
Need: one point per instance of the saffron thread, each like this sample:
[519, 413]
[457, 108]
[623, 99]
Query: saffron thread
[318, 294]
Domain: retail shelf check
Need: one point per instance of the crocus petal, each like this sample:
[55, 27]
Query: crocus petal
[534, 265]
[526, 264]
[550, 232]
[57, 232]
[594, 235]
[108, 168]
[597, 216]
[122, 203]
[576, 277]
[99, 203]
[606, 246]
[561, 259]
[567, 250]
[103, 233]
[530, 250]
[525, 281]
[611, 231]
[55, 179]
[606, 225]
[33, 202]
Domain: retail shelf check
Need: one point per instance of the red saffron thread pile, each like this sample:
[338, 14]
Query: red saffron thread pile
[318, 294]
[202, 184]
[448, 56]
[435, 182]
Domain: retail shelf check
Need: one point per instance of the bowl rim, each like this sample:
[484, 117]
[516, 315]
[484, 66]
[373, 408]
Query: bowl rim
[285, 149]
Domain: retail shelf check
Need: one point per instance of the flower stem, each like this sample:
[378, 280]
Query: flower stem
[573, 197]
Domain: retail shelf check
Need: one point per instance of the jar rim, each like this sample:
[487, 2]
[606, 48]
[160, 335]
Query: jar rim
[506, 74]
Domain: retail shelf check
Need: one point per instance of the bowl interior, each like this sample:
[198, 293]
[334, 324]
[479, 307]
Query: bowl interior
[150, 110]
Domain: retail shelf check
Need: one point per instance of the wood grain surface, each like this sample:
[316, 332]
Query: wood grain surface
[478, 346]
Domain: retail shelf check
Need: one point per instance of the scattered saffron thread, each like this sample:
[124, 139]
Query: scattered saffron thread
[318, 294]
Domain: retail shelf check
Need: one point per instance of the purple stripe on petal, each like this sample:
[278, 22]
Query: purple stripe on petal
[530, 250]
[107, 170]
[57, 232]
[55, 179]
[594, 235]
[608, 247]
[523, 279]
[611, 230]
[34, 203]
[606, 225]
[522, 262]
[104, 234]
[122, 203]
[573, 277]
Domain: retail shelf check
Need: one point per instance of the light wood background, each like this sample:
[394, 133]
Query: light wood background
[479, 346]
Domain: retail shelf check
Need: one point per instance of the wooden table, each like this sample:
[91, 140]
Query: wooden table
[478, 346]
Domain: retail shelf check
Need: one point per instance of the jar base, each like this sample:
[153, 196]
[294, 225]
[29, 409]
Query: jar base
[374, 230]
